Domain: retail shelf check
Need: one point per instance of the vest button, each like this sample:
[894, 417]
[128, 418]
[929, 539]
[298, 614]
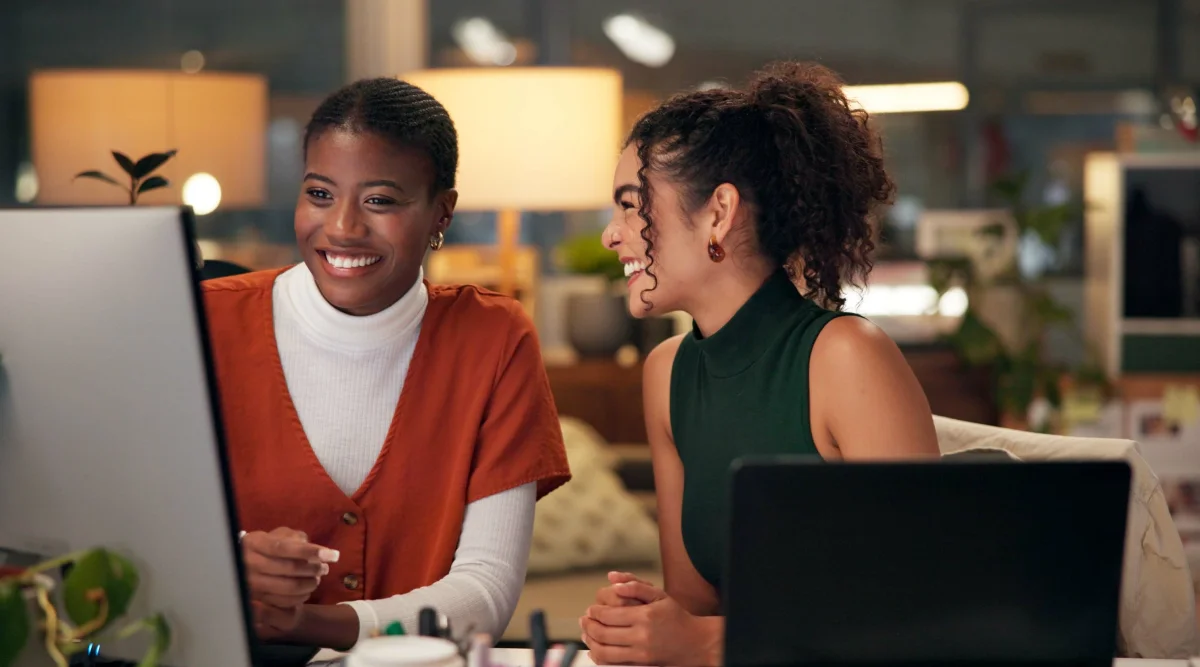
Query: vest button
[349, 518]
[351, 581]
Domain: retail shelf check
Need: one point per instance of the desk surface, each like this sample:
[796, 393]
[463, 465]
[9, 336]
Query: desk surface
[515, 657]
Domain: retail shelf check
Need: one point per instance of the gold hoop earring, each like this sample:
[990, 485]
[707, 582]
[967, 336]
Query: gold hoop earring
[436, 241]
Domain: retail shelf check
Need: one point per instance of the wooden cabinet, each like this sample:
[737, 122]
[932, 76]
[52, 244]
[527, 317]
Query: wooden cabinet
[608, 396]
[604, 394]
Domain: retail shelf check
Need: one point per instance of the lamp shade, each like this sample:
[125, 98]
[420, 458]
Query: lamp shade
[531, 138]
[217, 122]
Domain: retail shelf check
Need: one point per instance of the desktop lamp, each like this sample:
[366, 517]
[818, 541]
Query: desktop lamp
[217, 122]
[530, 139]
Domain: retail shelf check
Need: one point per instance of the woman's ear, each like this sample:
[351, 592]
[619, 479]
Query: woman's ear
[446, 203]
[723, 207]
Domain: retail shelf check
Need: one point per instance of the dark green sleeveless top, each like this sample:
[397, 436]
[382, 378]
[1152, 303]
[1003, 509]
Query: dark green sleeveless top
[741, 391]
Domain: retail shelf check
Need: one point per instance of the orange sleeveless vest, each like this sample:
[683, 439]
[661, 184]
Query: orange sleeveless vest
[475, 417]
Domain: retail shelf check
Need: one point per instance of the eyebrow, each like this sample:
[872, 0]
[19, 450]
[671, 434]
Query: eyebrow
[368, 184]
[622, 191]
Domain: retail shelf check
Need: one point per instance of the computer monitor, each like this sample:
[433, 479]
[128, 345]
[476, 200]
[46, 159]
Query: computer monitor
[109, 433]
[933, 563]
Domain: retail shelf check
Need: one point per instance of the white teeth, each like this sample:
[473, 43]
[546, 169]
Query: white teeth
[633, 267]
[350, 261]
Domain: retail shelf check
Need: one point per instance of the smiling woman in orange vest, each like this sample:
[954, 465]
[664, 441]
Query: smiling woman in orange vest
[387, 438]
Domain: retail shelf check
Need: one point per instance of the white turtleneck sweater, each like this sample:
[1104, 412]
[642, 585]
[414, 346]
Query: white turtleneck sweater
[345, 374]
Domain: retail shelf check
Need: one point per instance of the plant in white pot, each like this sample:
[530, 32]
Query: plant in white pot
[598, 323]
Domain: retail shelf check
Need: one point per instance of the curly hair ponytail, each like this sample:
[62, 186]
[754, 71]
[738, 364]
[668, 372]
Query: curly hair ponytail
[799, 154]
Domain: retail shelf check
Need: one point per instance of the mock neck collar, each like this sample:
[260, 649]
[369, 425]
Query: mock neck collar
[332, 328]
[753, 328]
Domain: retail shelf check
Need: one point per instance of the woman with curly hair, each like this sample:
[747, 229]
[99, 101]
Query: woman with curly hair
[750, 210]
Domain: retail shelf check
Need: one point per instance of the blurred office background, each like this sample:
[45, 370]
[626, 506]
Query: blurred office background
[1080, 103]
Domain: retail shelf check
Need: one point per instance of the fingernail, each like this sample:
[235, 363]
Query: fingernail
[324, 569]
[328, 555]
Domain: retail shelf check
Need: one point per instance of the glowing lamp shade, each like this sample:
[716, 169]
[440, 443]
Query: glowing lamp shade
[531, 138]
[217, 122]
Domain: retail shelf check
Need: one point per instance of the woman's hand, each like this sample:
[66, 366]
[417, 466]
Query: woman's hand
[608, 596]
[650, 629]
[282, 570]
[274, 623]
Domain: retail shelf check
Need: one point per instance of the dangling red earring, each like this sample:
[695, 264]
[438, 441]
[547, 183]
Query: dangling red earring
[715, 252]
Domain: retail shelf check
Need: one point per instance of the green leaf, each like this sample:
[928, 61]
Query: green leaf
[1047, 310]
[1011, 188]
[126, 164]
[587, 255]
[945, 271]
[148, 164]
[152, 183]
[159, 645]
[1048, 222]
[1050, 387]
[976, 343]
[99, 570]
[1017, 386]
[99, 176]
[14, 623]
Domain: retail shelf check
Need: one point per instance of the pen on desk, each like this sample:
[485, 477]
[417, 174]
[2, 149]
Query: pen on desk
[569, 654]
[537, 635]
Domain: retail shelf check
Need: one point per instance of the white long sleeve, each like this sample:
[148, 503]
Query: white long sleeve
[484, 583]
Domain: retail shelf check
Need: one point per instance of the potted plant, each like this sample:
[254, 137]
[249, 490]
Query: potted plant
[1023, 376]
[140, 173]
[95, 593]
[598, 322]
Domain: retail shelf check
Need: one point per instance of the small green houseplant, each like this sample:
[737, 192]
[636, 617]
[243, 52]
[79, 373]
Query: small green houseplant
[584, 254]
[95, 593]
[1021, 371]
[598, 322]
[141, 173]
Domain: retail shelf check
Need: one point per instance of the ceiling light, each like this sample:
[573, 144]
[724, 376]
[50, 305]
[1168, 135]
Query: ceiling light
[909, 97]
[483, 42]
[640, 41]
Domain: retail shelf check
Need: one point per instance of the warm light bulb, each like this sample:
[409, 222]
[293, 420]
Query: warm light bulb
[953, 303]
[192, 62]
[202, 192]
[27, 183]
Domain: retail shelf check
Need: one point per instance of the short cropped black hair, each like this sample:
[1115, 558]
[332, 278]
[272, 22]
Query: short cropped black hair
[397, 111]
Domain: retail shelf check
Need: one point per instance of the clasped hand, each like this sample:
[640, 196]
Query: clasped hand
[636, 623]
[282, 570]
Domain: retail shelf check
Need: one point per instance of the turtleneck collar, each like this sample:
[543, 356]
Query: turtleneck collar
[754, 327]
[332, 328]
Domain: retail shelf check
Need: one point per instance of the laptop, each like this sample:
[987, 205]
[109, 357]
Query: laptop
[930, 563]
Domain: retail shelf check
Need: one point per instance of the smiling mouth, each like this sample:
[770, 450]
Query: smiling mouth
[346, 261]
[633, 269]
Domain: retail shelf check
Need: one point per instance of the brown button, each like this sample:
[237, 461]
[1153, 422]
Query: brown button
[351, 581]
[349, 518]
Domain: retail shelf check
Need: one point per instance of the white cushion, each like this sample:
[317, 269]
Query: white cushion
[1157, 616]
[592, 521]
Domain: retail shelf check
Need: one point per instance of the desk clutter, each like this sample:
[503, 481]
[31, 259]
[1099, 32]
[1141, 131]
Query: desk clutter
[436, 645]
